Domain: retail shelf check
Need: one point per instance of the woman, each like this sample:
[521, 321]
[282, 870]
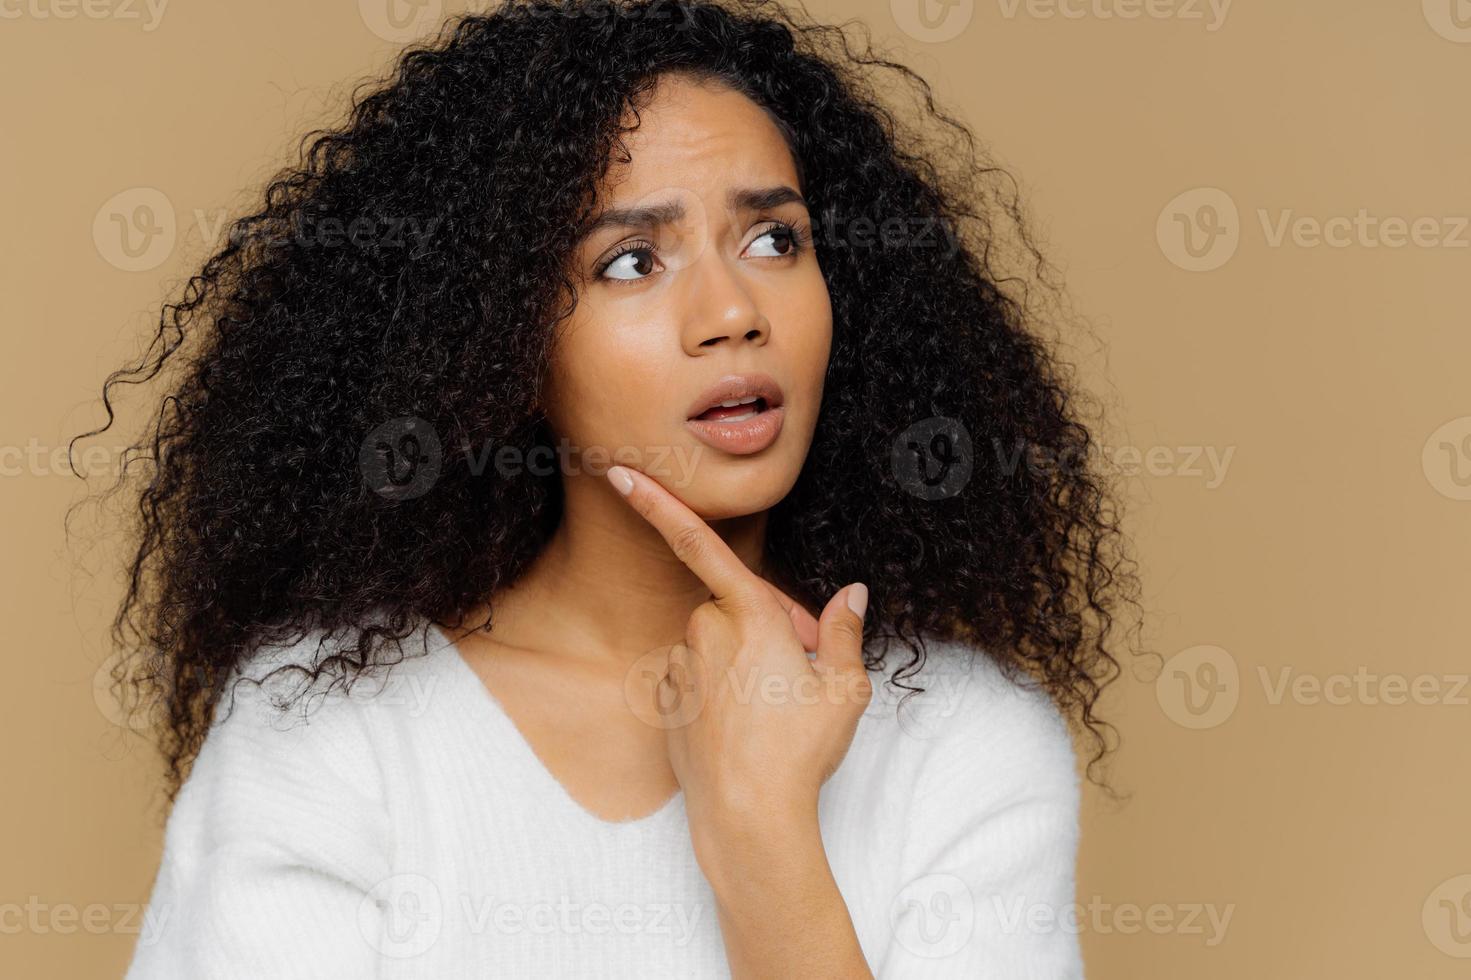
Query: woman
[443, 692]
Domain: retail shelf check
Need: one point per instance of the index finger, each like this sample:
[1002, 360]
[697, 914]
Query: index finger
[690, 538]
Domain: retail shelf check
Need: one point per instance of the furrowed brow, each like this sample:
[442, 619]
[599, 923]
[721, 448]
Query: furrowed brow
[648, 216]
[763, 198]
[669, 212]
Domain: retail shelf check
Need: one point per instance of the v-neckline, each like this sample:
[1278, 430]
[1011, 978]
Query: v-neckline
[482, 702]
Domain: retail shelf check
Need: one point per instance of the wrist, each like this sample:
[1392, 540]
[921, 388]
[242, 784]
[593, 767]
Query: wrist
[758, 844]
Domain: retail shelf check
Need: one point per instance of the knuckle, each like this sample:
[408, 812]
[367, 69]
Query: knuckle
[702, 622]
[687, 543]
[645, 506]
[681, 671]
[746, 601]
[848, 629]
[678, 677]
[678, 657]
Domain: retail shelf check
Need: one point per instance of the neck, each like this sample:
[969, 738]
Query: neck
[606, 586]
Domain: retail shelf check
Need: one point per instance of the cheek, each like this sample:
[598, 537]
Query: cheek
[603, 377]
[812, 348]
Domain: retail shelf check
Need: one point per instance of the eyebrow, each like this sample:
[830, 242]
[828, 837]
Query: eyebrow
[656, 215]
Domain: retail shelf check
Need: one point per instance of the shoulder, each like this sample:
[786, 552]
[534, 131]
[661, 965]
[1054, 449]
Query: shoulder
[303, 718]
[990, 806]
[971, 709]
[283, 820]
[976, 741]
[319, 678]
[281, 691]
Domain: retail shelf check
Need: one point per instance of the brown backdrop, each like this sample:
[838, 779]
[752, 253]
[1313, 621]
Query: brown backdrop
[1262, 209]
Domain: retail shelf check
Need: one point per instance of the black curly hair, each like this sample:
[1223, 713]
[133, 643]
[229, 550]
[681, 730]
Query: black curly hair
[410, 272]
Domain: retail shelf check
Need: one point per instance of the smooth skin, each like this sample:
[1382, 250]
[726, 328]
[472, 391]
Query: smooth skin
[659, 596]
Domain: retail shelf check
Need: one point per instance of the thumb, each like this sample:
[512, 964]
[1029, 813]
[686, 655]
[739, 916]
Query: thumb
[840, 629]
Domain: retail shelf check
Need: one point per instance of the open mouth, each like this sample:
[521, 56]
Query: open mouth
[737, 410]
[740, 414]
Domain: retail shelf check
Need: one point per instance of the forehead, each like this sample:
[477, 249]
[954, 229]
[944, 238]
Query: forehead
[698, 134]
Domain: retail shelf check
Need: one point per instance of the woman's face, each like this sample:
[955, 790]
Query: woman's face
[713, 282]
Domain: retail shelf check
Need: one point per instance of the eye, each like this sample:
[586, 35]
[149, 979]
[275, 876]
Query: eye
[632, 261]
[786, 241]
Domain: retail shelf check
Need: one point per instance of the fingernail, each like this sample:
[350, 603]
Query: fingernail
[858, 598]
[622, 479]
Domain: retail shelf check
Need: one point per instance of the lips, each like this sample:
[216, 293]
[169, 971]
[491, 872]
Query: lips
[740, 414]
[737, 388]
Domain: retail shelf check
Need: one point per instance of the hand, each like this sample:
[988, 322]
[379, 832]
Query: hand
[769, 725]
[802, 620]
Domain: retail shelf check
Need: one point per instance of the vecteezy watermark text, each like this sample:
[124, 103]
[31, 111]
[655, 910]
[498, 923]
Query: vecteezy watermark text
[403, 458]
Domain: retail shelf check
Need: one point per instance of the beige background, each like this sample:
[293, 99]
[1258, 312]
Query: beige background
[1332, 543]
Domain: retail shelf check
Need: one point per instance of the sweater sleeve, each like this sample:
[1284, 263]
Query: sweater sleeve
[273, 848]
[987, 886]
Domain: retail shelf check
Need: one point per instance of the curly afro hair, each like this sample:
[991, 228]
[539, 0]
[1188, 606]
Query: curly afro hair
[414, 265]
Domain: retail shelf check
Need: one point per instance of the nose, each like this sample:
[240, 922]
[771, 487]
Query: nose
[722, 309]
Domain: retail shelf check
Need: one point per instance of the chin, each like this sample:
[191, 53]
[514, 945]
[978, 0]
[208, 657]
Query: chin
[735, 486]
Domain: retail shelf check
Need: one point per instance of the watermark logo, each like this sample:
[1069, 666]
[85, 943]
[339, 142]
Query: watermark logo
[834, 231]
[401, 916]
[1446, 917]
[922, 714]
[932, 21]
[676, 921]
[932, 459]
[147, 13]
[1199, 687]
[39, 459]
[1211, 13]
[366, 232]
[673, 466]
[1199, 229]
[659, 690]
[1446, 459]
[1206, 920]
[1362, 230]
[134, 230]
[401, 458]
[933, 916]
[401, 692]
[1363, 687]
[1172, 461]
[38, 917]
[401, 21]
[137, 229]
[1451, 19]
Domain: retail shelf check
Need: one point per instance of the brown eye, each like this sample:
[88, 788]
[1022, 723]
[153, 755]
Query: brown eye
[630, 264]
[784, 241]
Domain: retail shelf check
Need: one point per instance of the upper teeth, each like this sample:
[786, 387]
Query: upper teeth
[743, 401]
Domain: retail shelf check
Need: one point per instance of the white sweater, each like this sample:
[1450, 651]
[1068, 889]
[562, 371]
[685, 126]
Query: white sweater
[407, 829]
